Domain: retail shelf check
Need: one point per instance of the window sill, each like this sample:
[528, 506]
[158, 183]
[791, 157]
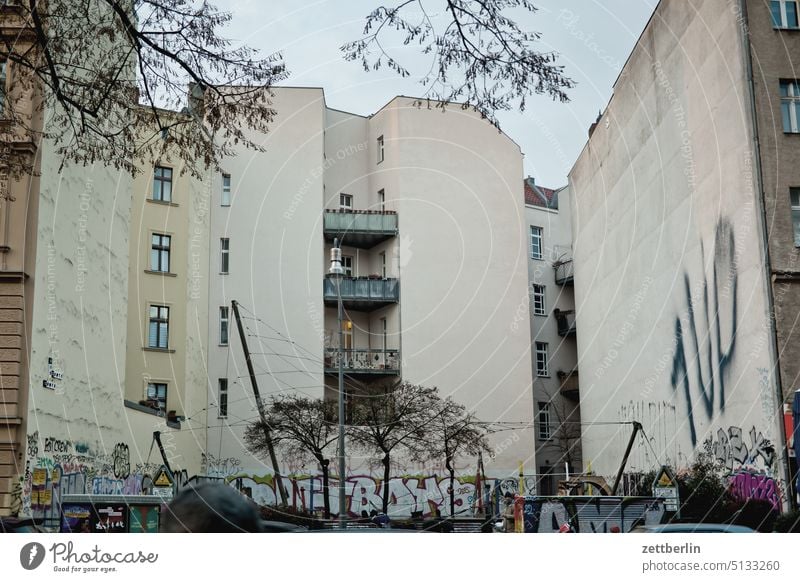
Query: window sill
[223, 345]
[226, 273]
[537, 258]
[161, 202]
[540, 314]
[152, 411]
[162, 273]
[162, 350]
[542, 375]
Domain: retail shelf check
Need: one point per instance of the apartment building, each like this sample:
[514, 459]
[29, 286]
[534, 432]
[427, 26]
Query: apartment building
[685, 246]
[427, 210]
[553, 331]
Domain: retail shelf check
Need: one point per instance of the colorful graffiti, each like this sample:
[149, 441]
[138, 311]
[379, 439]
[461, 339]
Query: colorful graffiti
[408, 495]
[745, 485]
[594, 515]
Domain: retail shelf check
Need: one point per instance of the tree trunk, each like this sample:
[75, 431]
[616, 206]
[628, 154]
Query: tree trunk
[449, 466]
[385, 500]
[325, 488]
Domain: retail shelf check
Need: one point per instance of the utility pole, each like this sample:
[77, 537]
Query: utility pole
[260, 405]
[337, 271]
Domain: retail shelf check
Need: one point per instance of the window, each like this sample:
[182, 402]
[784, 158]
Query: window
[795, 196]
[790, 106]
[784, 13]
[162, 184]
[382, 199]
[345, 201]
[380, 149]
[226, 190]
[157, 396]
[158, 336]
[383, 264]
[224, 258]
[536, 243]
[222, 398]
[538, 300]
[544, 421]
[2, 86]
[347, 265]
[541, 359]
[223, 325]
[159, 253]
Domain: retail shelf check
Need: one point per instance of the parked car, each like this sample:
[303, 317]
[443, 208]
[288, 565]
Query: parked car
[20, 525]
[692, 528]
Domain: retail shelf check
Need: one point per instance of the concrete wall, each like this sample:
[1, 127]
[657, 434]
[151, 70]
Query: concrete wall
[669, 286]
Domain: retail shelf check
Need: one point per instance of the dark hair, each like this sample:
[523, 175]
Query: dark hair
[210, 507]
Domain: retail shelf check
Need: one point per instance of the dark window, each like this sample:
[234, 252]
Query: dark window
[223, 326]
[159, 253]
[158, 336]
[380, 149]
[790, 106]
[225, 251]
[538, 300]
[162, 184]
[226, 190]
[544, 421]
[223, 398]
[784, 13]
[157, 396]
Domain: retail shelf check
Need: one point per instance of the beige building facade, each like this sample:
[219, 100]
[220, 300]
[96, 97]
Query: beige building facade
[683, 248]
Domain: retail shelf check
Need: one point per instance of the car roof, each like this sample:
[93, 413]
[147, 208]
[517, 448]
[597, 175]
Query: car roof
[692, 528]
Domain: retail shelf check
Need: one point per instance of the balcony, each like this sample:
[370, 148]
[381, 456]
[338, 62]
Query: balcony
[564, 272]
[362, 293]
[566, 322]
[363, 362]
[569, 384]
[362, 229]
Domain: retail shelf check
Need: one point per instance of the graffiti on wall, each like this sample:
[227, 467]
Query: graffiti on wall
[749, 462]
[211, 466]
[594, 515]
[705, 333]
[411, 494]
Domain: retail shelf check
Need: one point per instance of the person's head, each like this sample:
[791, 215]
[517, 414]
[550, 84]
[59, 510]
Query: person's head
[213, 508]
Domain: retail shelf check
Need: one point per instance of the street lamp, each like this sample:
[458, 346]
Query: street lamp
[337, 271]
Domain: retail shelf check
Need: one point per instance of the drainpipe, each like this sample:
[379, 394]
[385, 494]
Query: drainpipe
[783, 458]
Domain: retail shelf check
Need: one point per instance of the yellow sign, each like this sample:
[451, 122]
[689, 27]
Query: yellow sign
[39, 476]
[162, 479]
[665, 479]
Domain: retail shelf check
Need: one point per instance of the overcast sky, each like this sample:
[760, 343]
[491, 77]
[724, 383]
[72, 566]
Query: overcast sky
[593, 38]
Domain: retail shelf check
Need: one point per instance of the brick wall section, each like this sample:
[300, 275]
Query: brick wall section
[774, 56]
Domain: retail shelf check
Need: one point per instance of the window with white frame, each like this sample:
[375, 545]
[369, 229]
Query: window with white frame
[226, 190]
[162, 184]
[790, 106]
[222, 398]
[541, 359]
[224, 255]
[794, 194]
[158, 331]
[545, 433]
[345, 201]
[159, 253]
[382, 199]
[157, 395]
[380, 149]
[223, 325]
[536, 243]
[784, 13]
[347, 265]
[538, 300]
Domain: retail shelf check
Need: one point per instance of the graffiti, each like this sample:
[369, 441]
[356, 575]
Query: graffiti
[54, 445]
[592, 515]
[33, 445]
[122, 461]
[747, 485]
[731, 449]
[213, 467]
[16, 498]
[705, 335]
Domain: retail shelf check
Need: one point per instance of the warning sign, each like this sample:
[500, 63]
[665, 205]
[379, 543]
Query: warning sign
[163, 478]
[665, 486]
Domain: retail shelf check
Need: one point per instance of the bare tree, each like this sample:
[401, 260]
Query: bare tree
[399, 418]
[106, 70]
[106, 75]
[303, 427]
[566, 435]
[480, 56]
[455, 432]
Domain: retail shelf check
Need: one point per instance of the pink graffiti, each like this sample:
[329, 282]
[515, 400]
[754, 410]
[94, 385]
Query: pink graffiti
[745, 486]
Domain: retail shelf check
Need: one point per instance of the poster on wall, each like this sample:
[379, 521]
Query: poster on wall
[76, 518]
[110, 518]
[143, 519]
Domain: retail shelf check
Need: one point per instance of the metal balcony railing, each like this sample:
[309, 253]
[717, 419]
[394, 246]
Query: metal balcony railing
[569, 384]
[359, 228]
[363, 293]
[363, 361]
[564, 272]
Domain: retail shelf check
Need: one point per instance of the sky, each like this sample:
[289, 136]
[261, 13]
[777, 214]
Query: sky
[593, 39]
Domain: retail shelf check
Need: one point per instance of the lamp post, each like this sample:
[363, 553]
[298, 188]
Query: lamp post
[337, 271]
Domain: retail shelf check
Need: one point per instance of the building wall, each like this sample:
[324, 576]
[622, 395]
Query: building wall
[774, 55]
[446, 176]
[669, 282]
[564, 445]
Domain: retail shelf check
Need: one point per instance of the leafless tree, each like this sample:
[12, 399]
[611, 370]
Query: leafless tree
[455, 432]
[303, 427]
[566, 435]
[480, 56]
[106, 76]
[400, 417]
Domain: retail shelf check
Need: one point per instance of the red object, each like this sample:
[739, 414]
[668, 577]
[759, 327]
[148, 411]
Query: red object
[565, 528]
